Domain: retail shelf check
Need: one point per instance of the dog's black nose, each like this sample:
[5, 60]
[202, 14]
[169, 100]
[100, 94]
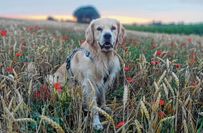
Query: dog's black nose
[107, 36]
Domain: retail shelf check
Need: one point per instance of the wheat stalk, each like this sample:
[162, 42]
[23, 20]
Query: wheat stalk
[53, 124]
[176, 115]
[125, 96]
[125, 93]
[157, 89]
[176, 79]
[165, 119]
[170, 88]
[156, 105]
[187, 76]
[30, 88]
[185, 126]
[10, 103]
[167, 65]
[101, 111]
[40, 122]
[10, 116]
[25, 120]
[144, 109]
[138, 126]
[165, 90]
[187, 100]
[161, 77]
[184, 112]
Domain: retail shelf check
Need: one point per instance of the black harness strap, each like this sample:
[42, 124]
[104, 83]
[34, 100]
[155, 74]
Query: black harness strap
[107, 76]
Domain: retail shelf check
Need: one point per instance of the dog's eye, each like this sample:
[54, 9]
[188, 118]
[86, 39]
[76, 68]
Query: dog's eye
[113, 28]
[99, 28]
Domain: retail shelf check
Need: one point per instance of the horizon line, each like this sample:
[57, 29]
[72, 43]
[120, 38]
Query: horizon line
[122, 19]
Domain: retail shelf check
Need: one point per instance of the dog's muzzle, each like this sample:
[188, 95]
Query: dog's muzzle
[107, 41]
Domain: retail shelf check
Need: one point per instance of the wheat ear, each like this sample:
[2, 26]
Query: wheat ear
[138, 126]
[176, 79]
[101, 111]
[161, 78]
[53, 124]
[144, 109]
[185, 126]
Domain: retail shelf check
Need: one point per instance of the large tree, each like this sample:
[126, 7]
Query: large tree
[86, 14]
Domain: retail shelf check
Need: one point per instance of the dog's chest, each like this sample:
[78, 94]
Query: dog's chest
[107, 70]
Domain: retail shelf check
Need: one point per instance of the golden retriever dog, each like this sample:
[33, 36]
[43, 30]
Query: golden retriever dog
[95, 65]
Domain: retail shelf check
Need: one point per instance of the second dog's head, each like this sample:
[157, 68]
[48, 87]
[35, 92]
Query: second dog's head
[106, 33]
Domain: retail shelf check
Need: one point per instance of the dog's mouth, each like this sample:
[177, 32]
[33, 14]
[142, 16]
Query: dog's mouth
[106, 45]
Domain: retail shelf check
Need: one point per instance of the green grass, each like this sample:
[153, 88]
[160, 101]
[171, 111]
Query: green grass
[154, 77]
[169, 28]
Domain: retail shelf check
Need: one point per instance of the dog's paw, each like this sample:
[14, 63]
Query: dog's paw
[98, 126]
[96, 123]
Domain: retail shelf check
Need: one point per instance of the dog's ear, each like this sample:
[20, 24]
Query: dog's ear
[121, 34]
[89, 33]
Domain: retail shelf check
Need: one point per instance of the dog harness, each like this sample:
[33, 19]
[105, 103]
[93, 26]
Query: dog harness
[88, 54]
[69, 58]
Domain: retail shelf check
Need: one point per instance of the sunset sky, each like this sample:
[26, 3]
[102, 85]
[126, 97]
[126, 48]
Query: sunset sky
[127, 11]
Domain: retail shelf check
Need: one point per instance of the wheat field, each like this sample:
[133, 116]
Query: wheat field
[163, 94]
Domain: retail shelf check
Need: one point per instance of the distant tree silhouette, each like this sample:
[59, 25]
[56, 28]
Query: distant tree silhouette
[86, 14]
[50, 18]
[156, 23]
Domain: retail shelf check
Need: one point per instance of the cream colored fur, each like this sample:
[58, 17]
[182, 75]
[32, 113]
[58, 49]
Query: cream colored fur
[90, 73]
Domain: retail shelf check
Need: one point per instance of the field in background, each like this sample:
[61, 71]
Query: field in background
[164, 73]
[169, 28]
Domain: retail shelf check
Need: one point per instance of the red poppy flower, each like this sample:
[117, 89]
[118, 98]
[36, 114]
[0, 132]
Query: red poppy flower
[130, 80]
[189, 40]
[120, 124]
[32, 28]
[159, 53]
[3, 33]
[65, 38]
[45, 92]
[183, 44]
[161, 114]
[37, 94]
[126, 68]
[18, 54]
[155, 62]
[9, 69]
[58, 87]
[178, 66]
[161, 102]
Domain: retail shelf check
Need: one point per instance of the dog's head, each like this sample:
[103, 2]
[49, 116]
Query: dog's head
[106, 33]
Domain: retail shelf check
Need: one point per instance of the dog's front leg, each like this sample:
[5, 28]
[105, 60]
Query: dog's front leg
[102, 99]
[90, 103]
